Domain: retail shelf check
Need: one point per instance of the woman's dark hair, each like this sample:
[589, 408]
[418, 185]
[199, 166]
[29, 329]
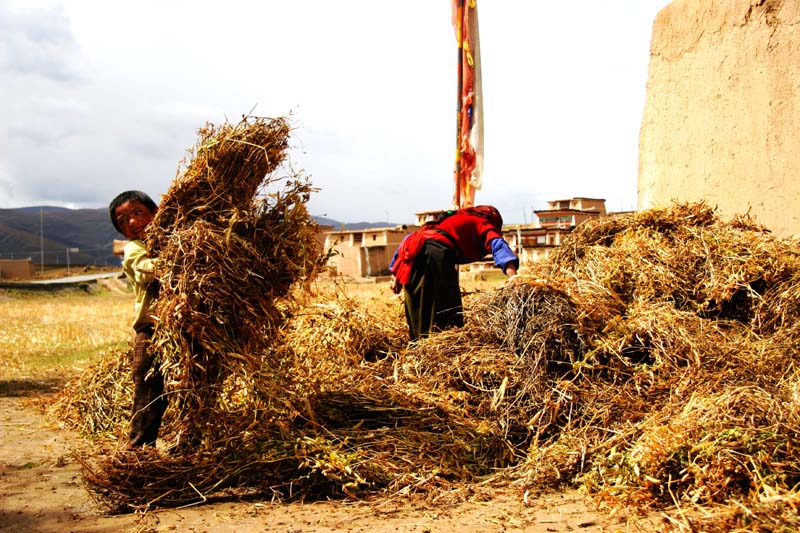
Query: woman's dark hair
[490, 212]
[128, 196]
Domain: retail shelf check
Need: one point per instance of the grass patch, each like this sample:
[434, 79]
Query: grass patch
[42, 333]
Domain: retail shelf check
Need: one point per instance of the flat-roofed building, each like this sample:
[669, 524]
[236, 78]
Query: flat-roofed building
[570, 213]
[16, 268]
[364, 253]
[533, 242]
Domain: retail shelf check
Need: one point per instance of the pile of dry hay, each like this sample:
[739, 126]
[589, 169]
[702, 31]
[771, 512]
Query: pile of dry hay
[231, 238]
[651, 360]
[686, 393]
[229, 247]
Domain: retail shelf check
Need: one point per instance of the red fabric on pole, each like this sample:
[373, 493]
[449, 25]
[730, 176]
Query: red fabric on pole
[469, 126]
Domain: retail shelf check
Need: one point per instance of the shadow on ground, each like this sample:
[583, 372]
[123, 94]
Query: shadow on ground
[29, 387]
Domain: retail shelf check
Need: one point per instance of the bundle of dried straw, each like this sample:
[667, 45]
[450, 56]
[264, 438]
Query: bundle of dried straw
[229, 247]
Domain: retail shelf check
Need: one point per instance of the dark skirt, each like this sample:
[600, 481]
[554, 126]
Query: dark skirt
[432, 295]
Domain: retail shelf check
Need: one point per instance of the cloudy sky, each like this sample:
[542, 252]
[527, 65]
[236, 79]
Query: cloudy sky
[100, 96]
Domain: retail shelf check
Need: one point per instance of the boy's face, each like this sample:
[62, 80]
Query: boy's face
[132, 218]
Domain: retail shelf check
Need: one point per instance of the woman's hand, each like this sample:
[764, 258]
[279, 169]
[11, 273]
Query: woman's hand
[394, 285]
[511, 271]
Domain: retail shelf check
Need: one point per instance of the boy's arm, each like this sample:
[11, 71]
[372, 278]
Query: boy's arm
[137, 265]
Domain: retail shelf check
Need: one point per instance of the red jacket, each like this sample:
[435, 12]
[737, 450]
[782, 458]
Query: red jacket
[469, 234]
[472, 235]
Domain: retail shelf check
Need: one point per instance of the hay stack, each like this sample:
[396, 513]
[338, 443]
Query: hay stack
[333, 426]
[231, 239]
[227, 257]
[652, 361]
[225, 169]
[98, 402]
[686, 394]
[333, 334]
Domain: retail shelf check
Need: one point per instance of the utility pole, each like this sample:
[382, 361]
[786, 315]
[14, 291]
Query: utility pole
[41, 238]
[73, 250]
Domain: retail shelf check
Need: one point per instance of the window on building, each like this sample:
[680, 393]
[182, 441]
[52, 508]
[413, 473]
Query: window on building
[358, 238]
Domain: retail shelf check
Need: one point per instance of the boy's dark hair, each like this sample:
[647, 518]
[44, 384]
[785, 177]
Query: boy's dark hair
[127, 196]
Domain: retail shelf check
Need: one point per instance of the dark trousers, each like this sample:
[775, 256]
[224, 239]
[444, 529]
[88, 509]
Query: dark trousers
[432, 295]
[149, 403]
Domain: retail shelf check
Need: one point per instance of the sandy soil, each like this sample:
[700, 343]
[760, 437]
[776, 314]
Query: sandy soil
[41, 490]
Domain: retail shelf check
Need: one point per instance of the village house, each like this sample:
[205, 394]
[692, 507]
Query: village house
[428, 216]
[533, 242]
[16, 268]
[570, 213]
[364, 253]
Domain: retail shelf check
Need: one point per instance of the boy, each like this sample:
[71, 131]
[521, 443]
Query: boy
[131, 212]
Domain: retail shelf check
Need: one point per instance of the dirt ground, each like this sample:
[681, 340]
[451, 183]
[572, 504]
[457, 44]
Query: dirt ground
[41, 490]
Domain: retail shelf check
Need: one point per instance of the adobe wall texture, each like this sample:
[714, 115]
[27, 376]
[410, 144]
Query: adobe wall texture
[722, 113]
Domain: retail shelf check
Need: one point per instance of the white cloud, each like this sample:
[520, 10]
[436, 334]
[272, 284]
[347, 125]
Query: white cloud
[37, 45]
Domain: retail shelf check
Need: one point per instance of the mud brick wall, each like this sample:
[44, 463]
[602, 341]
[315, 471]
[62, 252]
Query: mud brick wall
[722, 113]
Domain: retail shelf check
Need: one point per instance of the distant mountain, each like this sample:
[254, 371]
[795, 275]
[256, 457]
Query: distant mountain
[27, 231]
[365, 225]
[42, 207]
[338, 226]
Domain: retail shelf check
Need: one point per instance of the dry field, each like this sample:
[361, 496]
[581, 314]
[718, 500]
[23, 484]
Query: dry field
[47, 339]
[51, 337]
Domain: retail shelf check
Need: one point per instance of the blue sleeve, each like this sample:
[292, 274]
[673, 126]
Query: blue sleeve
[502, 254]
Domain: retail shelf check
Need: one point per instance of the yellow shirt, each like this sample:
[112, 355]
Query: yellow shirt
[139, 268]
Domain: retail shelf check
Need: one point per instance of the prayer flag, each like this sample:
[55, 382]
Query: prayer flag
[469, 126]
